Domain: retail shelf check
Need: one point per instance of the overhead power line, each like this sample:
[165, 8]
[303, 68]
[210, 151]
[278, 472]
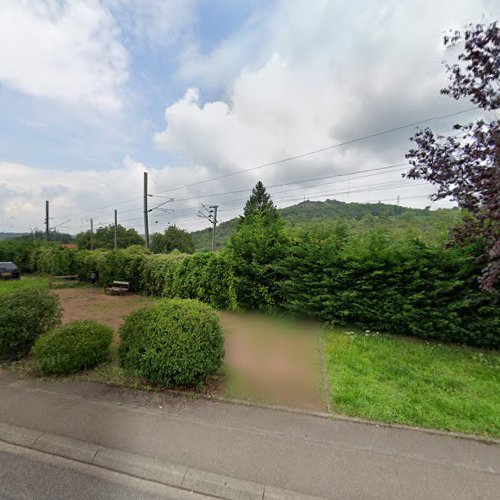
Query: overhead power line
[320, 150]
[309, 153]
[352, 175]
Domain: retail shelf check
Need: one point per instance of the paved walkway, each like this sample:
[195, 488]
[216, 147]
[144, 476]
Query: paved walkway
[297, 452]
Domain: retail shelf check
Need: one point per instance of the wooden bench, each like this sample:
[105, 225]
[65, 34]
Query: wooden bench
[118, 288]
[71, 279]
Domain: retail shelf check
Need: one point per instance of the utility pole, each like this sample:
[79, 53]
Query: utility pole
[210, 213]
[146, 212]
[116, 229]
[92, 234]
[397, 209]
[47, 230]
[214, 222]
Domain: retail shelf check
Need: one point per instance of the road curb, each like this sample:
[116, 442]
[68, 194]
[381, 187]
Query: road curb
[179, 476]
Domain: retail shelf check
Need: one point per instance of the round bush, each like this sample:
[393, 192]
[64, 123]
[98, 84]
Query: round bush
[172, 342]
[24, 316]
[73, 347]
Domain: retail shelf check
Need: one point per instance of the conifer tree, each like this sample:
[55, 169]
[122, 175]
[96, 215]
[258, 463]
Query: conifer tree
[259, 203]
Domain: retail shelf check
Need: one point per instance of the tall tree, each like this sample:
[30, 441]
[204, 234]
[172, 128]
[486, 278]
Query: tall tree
[259, 203]
[255, 249]
[172, 239]
[466, 165]
[104, 237]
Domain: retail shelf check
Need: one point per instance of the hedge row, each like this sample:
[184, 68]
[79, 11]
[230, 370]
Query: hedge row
[403, 287]
[203, 276]
[414, 289]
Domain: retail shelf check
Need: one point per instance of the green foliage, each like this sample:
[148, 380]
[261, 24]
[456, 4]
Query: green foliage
[259, 203]
[431, 226]
[159, 272]
[19, 251]
[254, 252]
[403, 286]
[207, 277]
[73, 347]
[24, 316]
[172, 239]
[172, 342]
[204, 276]
[377, 276]
[51, 258]
[104, 238]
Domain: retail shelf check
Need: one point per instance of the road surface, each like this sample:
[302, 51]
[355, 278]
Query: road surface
[28, 474]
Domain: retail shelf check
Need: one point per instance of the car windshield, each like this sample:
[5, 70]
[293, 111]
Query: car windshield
[7, 266]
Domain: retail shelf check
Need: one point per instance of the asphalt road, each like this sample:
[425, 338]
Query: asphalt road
[307, 454]
[28, 474]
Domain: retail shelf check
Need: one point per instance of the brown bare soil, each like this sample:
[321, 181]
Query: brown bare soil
[91, 303]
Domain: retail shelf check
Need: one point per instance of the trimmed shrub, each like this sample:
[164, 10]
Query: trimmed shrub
[73, 347]
[172, 342]
[24, 316]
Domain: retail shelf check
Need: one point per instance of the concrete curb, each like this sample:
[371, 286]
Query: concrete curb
[179, 476]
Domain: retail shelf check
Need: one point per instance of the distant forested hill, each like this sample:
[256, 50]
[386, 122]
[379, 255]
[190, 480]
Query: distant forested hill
[40, 235]
[428, 224]
[5, 236]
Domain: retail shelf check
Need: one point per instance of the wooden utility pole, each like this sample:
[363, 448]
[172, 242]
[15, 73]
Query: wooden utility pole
[214, 224]
[92, 234]
[47, 230]
[116, 229]
[146, 212]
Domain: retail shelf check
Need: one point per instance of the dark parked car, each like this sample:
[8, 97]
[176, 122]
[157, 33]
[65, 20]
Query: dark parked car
[9, 271]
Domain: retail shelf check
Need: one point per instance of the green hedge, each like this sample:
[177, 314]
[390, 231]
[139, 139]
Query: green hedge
[24, 316]
[403, 287]
[73, 347]
[375, 280]
[172, 342]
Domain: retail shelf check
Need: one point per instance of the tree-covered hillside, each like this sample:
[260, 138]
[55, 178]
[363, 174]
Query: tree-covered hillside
[427, 224]
[6, 236]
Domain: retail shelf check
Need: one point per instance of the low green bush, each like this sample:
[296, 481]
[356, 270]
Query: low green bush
[73, 347]
[25, 315]
[172, 342]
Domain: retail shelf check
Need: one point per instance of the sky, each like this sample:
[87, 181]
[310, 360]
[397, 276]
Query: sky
[205, 94]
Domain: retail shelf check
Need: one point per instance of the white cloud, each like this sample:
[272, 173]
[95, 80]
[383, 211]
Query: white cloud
[298, 76]
[67, 50]
[80, 194]
[306, 75]
[24, 189]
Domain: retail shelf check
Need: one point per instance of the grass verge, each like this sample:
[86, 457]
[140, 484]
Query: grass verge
[400, 380]
[7, 286]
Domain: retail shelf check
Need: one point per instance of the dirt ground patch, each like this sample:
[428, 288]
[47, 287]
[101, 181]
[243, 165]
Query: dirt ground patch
[267, 359]
[91, 303]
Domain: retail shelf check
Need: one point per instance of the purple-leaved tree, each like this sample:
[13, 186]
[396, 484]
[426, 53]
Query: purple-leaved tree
[466, 165]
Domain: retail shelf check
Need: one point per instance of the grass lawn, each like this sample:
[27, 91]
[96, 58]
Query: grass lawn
[398, 380]
[7, 286]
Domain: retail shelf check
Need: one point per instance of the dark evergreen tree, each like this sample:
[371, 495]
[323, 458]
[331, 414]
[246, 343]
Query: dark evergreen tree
[259, 203]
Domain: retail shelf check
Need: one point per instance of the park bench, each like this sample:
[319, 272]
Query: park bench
[118, 288]
[70, 279]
